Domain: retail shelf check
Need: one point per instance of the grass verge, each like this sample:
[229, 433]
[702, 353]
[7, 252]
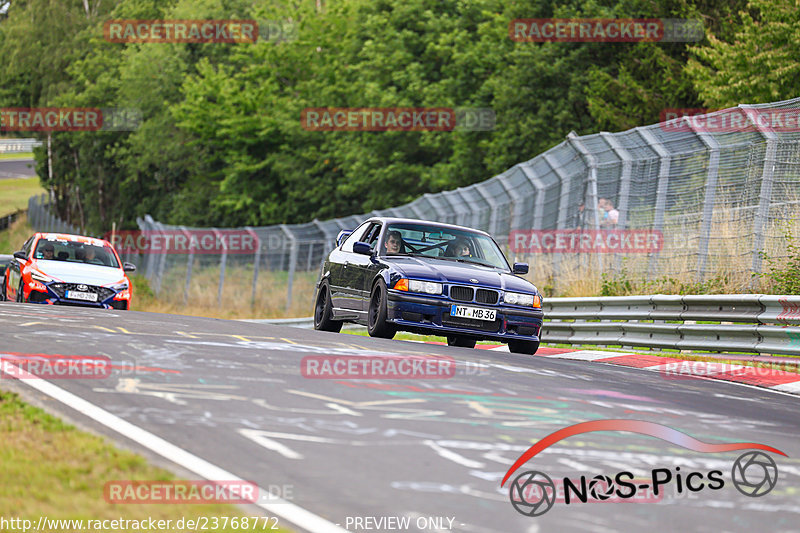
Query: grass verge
[14, 237]
[237, 295]
[16, 155]
[53, 470]
[15, 192]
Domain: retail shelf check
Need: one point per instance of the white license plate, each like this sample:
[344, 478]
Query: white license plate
[472, 312]
[85, 296]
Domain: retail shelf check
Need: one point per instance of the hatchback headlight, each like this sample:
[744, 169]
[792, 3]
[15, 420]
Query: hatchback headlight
[119, 286]
[38, 276]
[428, 287]
[518, 298]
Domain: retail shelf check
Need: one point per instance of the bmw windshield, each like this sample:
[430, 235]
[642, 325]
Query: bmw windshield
[447, 244]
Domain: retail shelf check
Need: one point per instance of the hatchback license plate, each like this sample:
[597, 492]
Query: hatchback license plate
[85, 296]
[477, 313]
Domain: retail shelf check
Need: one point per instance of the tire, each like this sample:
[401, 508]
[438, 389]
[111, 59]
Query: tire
[323, 310]
[462, 342]
[20, 295]
[523, 347]
[3, 290]
[377, 326]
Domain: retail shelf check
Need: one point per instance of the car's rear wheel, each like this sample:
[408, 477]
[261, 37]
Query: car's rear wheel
[460, 341]
[323, 311]
[377, 326]
[523, 347]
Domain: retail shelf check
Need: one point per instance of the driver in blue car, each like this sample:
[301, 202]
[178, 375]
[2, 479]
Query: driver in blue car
[458, 248]
[394, 242]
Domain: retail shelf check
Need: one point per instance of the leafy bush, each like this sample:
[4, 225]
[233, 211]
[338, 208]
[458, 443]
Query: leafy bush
[784, 273]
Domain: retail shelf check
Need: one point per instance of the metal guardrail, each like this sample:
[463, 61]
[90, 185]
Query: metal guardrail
[304, 323]
[8, 146]
[8, 219]
[4, 260]
[751, 323]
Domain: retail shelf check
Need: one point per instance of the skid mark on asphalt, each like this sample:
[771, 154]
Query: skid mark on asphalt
[174, 393]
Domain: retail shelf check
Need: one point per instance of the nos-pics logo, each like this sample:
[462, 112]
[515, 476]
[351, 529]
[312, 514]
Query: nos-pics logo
[533, 493]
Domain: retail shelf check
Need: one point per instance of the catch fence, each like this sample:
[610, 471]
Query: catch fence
[712, 193]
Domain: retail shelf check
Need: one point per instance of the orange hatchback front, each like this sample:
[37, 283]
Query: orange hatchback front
[61, 269]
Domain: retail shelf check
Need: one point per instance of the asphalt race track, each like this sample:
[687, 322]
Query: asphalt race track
[232, 395]
[17, 168]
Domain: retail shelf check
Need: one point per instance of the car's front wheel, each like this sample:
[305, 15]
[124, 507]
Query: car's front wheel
[323, 310]
[377, 326]
[523, 347]
[458, 340]
[20, 295]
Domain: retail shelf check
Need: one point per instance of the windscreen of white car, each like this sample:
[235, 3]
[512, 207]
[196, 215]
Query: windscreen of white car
[77, 252]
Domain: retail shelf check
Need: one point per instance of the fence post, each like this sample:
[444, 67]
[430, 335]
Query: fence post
[256, 264]
[590, 161]
[222, 263]
[765, 195]
[710, 197]
[661, 190]
[162, 263]
[292, 264]
[624, 180]
[189, 265]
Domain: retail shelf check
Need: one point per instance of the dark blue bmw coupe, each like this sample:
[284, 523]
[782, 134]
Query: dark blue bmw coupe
[393, 274]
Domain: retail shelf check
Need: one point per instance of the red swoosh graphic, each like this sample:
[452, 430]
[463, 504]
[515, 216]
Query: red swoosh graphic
[651, 429]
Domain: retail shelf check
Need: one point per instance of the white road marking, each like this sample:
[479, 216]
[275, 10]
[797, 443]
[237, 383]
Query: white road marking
[453, 456]
[270, 444]
[279, 507]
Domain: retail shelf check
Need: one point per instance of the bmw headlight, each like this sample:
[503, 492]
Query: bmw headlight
[38, 276]
[518, 298]
[428, 287]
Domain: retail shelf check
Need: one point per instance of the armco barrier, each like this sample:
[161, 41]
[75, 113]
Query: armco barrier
[752, 323]
[8, 146]
[4, 260]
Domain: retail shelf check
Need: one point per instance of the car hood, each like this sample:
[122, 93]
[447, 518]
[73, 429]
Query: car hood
[462, 273]
[79, 272]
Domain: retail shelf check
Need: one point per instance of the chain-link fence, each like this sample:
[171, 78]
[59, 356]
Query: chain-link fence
[41, 217]
[708, 194]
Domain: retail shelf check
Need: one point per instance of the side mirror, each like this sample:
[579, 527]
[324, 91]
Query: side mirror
[520, 268]
[362, 248]
[342, 236]
[20, 255]
[128, 267]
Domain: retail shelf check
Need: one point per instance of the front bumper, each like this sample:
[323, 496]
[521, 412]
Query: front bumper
[54, 295]
[431, 315]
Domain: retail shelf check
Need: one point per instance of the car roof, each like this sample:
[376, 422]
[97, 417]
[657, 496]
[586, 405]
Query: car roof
[443, 225]
[83, 239]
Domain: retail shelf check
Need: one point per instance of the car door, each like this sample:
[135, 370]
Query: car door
[15, 270]
[343, 291]
[362, 265]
